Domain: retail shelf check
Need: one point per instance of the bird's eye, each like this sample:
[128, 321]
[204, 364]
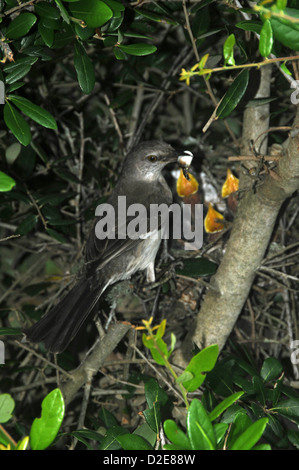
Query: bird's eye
[152, 158]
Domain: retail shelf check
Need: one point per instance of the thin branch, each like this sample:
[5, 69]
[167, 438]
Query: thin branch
[115, 122]
[42, 358]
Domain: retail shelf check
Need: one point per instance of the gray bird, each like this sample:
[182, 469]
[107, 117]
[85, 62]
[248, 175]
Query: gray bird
[112, 259]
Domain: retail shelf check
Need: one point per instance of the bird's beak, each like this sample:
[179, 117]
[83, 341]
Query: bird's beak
[183, 159]
[170, 157]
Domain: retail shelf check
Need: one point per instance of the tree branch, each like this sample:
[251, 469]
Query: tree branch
[252, 229]
[92, 364]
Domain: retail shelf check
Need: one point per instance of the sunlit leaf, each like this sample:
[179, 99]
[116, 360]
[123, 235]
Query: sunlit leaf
[44, 429]
[94, 12]
[6, 182]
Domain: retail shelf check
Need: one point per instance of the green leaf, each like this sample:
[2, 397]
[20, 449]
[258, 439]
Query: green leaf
[15, 86]
[154, 393]
[119, 54]
[293, 437]
[6, 182]
[46, 10]
[60, 222]
[176, 435]
[201, 22]
[184, 377]
[94, 12]
[197, 267]
[199, 365]
[84, 69]
[53, 198]
[12, 66]
[22, 445]
[44, 429]
[224, 404]
[20, 25]
[63, 38]
[83, 33]
[289, 408]
[4, 331]
[51, 23]
[63, 11]
[4, 439]
[250, 25]
[145, 431]
[266, 39]
[199, 427]
[157, 17]
[54, 234]
[107, 417]
[285, 34]
[161, 354]
[114, 24]
[240, 423]
[156, 398]
[110, 41]
[110, 441]
[38, 114]
[18, 74]
[81, 438]
[250, 437]
[281, 4]
[288, 17]
[27, 224]
[12, 152]
[153, 417]
[284, 30]
[133, 442]
[138, 49]
[285, 69]
[67, 175]
[82, 434]
[271, 369]
[228, 50]
[17, 124]
[7, 405]
[47, 34]
[157, 347]
[116, 7]
[15, 74]
[220, 430]
[259, 389]
[262, 447]
[233, 95]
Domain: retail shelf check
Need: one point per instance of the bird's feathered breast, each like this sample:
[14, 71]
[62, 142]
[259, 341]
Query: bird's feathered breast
[101, 251]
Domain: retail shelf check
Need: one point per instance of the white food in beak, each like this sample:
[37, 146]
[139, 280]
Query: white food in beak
[185, 160]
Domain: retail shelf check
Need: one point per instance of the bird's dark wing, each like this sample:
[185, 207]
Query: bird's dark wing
[99, 252]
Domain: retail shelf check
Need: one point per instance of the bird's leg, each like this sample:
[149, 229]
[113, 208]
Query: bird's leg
[150, 273]
[165, 255]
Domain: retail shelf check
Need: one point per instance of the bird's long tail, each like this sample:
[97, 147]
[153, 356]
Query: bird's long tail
[60, 325]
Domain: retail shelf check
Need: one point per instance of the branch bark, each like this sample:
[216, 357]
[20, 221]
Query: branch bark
[92, 364]
[245, 250]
